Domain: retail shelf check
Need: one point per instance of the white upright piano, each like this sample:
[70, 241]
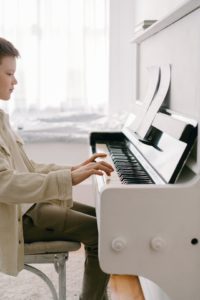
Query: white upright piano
[148, 212]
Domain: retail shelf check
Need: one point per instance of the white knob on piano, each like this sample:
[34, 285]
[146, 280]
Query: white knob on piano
[119, 244]
[157, 243]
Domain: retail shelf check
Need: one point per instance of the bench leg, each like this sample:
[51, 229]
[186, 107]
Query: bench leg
[60, 266]
[44, 277]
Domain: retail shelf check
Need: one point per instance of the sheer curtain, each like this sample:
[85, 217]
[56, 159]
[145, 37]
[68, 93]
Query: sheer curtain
[64, 53]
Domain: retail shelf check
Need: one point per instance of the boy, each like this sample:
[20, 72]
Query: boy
[36, 199]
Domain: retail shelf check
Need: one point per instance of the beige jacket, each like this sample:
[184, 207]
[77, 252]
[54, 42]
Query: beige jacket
[40, 183]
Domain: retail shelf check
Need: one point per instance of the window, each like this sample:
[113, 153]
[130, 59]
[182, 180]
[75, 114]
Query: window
[64, 53]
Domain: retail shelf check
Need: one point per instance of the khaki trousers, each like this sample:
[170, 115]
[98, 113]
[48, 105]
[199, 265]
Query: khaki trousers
[51, 222]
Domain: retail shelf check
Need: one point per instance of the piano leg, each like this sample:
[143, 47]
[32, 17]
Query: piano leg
[126, 287]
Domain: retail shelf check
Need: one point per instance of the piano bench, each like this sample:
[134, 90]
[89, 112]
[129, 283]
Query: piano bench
[56, 252]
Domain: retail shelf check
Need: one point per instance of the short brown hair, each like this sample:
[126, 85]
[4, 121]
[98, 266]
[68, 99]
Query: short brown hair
[7, 49]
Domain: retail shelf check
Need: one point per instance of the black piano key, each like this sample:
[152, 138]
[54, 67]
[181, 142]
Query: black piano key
[129, 169]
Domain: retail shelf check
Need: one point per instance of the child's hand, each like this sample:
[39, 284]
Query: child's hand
[90, 167]
[89, 160]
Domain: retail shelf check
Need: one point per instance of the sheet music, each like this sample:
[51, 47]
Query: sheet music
[156, 102]
[154, 76]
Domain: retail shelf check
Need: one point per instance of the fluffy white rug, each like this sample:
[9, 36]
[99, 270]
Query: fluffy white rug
[28, 286]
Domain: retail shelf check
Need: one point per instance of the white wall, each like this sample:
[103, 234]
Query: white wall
[124, 15]
[59, 153]
[121, 77]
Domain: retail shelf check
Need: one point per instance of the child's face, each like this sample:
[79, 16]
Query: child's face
[7, 76]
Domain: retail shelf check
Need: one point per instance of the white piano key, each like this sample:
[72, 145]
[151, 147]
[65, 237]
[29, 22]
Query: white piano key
[114, 178]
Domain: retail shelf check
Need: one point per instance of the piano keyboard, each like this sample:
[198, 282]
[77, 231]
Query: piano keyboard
[127, 169]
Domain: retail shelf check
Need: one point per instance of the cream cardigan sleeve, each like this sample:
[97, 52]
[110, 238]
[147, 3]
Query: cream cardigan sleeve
[28, 187]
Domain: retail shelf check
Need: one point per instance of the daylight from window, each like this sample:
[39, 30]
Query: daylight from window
[64, 53]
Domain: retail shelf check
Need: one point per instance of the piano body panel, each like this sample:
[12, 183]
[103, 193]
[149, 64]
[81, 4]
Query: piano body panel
[153, 231]
[177, 44]
[174, 40]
